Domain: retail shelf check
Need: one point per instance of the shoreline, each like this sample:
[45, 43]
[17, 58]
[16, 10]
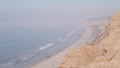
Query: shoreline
[55, 60]
[105, 53]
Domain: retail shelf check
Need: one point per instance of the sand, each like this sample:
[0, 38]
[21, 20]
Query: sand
[104, 53]
[88, 36]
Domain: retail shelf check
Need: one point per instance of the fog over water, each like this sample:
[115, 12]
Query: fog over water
[26, 25]
[26, 33]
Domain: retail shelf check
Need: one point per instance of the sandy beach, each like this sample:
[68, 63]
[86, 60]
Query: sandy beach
[92, 30]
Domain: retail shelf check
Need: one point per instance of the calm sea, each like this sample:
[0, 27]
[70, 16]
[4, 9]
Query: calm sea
[17, 43]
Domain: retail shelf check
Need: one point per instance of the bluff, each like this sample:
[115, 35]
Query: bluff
[104, 52]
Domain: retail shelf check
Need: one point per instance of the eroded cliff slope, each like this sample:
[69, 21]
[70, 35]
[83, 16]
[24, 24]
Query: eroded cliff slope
[104, 52]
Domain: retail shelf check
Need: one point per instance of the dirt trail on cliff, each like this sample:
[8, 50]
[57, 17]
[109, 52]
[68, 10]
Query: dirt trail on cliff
[104, 54]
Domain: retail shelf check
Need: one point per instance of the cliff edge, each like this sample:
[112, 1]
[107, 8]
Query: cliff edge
[104, 52]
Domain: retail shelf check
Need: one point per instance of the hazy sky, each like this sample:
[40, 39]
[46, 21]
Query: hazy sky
[59, 4]
[53, 11]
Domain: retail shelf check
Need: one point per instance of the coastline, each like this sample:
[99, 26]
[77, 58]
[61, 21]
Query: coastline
[104, 52]
[87, 37]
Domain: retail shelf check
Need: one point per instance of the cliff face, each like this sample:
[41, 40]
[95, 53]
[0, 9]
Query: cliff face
[104, 54]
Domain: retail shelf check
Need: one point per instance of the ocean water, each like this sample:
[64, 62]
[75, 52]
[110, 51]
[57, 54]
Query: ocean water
[22, 47]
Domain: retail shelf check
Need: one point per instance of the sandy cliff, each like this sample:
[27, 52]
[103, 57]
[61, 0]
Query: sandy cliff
[104, 52]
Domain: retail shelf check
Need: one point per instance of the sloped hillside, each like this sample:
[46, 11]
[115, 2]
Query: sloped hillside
[104, 52]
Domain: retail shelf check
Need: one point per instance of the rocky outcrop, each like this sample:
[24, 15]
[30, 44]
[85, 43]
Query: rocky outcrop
[104, 54]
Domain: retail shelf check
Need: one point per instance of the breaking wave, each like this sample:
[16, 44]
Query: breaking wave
[24, 60]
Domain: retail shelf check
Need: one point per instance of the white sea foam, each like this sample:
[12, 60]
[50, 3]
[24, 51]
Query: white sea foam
[46, 46]
[72, 32]
[60, 37]
[69, 34]
[25, 58]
